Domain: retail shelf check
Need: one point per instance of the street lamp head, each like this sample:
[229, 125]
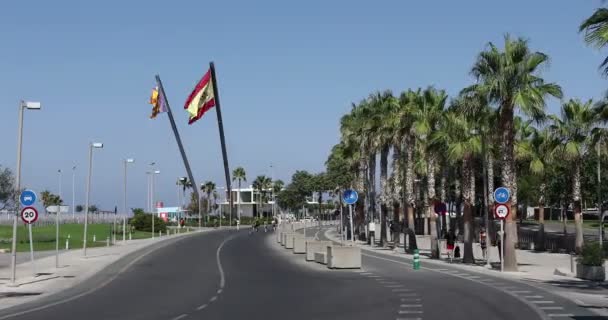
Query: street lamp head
[157, 172]
[31, 105]
[130, 160]
[182, 179]
[98, 145]
[152, 163]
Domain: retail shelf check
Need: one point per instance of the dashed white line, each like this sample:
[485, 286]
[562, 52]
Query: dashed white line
[409, 318]
[394, 286]
[410, 299]
[213, 298]
[551, 308]
[219, 291]
[202, 307]
[542, 302]
[411, 306]
[412, 294]
[521, 291]
[181, 316]
[554, 315]
[409, 311]
[533, 297]
[400, 290]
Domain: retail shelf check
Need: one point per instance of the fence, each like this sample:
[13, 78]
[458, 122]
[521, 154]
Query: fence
[49, 219]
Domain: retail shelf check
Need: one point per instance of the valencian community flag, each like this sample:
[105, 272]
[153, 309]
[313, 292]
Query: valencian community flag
[157, 100]
[201, 99]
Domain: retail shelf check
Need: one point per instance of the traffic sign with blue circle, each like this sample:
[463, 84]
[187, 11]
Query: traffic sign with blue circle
[502, 195]
[27, 198]
[350, 196]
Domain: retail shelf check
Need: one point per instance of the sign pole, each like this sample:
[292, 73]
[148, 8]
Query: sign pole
[29, 225]
[502, 245]
[57, 234]
[352, 226]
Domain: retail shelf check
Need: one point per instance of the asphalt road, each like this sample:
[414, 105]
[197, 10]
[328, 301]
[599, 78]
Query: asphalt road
[254, 278]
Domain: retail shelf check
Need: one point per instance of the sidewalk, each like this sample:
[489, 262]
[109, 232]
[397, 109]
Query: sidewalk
[539, 268]
[73, 269]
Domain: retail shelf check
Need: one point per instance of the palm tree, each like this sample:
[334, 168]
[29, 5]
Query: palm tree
[510, 79]
[461, 144]
[408, 102]
[185, 184]
[595, 32]
[239, 175]
[208, 187]
[262, 184]
[277, 186]
[426, 122]
[573, 132]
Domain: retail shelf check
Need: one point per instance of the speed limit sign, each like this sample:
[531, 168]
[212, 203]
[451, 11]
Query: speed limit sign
[29, 215]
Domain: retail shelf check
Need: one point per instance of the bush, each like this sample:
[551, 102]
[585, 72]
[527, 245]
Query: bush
[592, 255]
[143, 222]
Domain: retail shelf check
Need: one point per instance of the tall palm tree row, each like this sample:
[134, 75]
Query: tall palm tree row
[429, 152]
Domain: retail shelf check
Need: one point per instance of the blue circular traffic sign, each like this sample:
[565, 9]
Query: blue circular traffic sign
[502, 195]
[27, 198]
[350, 196]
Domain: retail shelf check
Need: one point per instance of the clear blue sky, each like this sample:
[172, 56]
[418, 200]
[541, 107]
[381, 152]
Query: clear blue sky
[287, 71]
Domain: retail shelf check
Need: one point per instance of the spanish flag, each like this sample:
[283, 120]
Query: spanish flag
[157, 100]
[201, 99]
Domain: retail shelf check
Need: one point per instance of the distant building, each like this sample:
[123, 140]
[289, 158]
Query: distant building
[249, 200]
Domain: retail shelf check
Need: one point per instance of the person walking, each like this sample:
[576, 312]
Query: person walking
[450, 242]
[483, 243]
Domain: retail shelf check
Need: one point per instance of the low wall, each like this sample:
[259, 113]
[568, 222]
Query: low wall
[299, 244]
[313, 246]
[339, 257]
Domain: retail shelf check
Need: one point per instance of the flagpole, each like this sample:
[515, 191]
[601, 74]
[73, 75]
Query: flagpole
[220, 125]
[179, 141]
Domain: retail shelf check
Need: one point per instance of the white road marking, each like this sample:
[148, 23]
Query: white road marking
[409, 311]
[410, 299]
[521, 291]
[551, 308]
[570, 315]
[401, 290]
[202, 307]
[413, 294]
[543, 302]
[180, 316]
[409, 318]
[533, 297]
[474, 277]
[411, 306]
[219, 261]
[395, 286]
[213, 298]
[219, 291]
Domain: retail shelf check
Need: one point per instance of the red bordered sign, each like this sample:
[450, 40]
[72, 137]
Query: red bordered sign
[501, 211]
[29, 215]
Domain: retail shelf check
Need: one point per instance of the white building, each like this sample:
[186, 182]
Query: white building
[249, 200]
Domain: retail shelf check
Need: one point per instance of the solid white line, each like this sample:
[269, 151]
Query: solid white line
[400, 290]
[410, 306]
[219, 262]
[411, 299]
[551, 308]
[395, 286]
[409, 311]
[180, 317]
[409, 318]
[542, 302]
[202, 307]
[521, 291]
[533, 297]
[561, 315]
[413, 294]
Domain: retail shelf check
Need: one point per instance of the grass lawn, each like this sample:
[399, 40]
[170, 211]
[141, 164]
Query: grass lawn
[44, 236]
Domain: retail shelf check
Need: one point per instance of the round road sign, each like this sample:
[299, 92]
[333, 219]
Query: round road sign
[27, 198]
[501, 211]
[502, 195]
[29, 215]
[440, 208]
[350, 196]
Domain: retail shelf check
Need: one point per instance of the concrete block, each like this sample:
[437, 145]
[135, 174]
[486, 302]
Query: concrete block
[299, 244]
[346, 257]
[284, 237]
[313, 246]
[321, 257]
[289, 240]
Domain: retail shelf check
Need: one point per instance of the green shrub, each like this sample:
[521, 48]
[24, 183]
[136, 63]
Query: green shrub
[143, 222]
[591, 255]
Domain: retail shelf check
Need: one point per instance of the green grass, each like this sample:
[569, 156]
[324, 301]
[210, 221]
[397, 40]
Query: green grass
[44, 236]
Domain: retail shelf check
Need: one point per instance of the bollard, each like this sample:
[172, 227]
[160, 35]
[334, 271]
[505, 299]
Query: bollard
[108, 241]
[129, 235]
[416, 260]
[67, 244]
[571, 263]
[160, 233]
[94, 238]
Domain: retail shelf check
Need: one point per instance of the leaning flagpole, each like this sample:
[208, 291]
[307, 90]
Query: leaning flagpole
[220, 125]
[179, 144]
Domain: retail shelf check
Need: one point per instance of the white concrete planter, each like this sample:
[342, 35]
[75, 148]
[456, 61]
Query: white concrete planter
[593, 273]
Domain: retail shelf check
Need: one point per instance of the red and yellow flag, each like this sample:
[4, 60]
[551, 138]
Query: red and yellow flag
[201, 99]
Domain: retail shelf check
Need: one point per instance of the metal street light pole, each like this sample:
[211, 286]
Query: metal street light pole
[97, 145]
[599, 194]
[154, 173]
[22, 106]
[73, 192]
[57, 223]
[124, 218]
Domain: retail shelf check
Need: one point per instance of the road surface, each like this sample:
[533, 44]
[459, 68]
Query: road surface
[237, 275]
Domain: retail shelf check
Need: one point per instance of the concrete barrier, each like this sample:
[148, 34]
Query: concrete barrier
[313, 246]
[321, 257]
[284, 237]
[299, 244]
[289, 239]
[346, 257]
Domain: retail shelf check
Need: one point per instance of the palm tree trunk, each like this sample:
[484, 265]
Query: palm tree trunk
[431, 201]
[360, 187]
[384, 199]
[238, 214]
[455, 223]
[443, 195]
[399, 203]
[508, 180]
[490, 192]
[576, 205]
[468, 216]
[372, 186]
[540, 240]
[409, 183]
